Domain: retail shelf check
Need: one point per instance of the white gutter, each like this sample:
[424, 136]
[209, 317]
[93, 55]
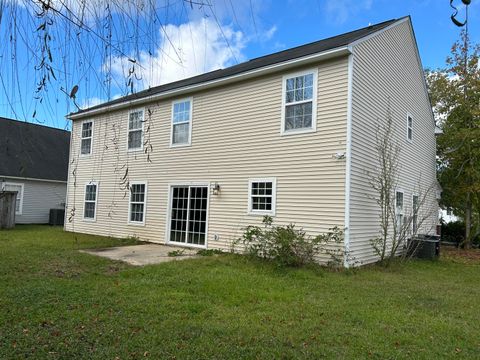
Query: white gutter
[348, 165]
[32, 179]
[345, 50]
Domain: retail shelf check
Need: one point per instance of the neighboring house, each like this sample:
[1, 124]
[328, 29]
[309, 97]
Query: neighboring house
[34, 162]
[289, 135]
[447, 215]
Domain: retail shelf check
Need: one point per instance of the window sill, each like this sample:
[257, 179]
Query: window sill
[297, 132]
[136, 223]
[261, 213]
[89, 220]
[135, 150]
[180, 145]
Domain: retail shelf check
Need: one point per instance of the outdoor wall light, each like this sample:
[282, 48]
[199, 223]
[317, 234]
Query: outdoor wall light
[215, 187]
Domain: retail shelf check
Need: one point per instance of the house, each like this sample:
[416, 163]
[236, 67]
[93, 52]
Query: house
[34, 163]
[288, 135]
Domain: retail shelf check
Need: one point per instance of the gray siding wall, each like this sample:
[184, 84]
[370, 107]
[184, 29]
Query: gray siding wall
[235, 136]
[38, 198]
[386, 70]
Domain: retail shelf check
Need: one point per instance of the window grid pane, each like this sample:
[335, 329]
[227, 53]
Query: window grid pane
[137, 202]
[189, 214]
[262, 196]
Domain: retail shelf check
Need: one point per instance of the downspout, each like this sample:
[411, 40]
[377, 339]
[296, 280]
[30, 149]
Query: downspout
[348, 165]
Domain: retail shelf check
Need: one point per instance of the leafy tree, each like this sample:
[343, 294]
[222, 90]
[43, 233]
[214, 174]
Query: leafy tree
[455, 92]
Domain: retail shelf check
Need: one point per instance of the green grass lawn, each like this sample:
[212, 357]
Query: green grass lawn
[56, 302]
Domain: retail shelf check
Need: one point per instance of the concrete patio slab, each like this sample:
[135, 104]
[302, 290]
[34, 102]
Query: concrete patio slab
[145, 254]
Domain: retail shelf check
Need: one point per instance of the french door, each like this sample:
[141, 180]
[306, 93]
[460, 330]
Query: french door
[188, 214]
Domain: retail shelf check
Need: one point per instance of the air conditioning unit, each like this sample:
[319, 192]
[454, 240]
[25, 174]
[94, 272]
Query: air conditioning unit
[57, 217]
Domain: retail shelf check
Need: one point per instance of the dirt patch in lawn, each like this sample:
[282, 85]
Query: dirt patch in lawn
[470, 256]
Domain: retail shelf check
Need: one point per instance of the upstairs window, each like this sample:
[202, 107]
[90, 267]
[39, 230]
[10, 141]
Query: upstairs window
[299, 102]
[138, 192]
[90, 201]
[181, 122]
[135, 130]
[262, 196]
[87, 135]
[409, 127]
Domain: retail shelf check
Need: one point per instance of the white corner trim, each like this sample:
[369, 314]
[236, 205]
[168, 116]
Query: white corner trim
[348, 164]
[70, 154]
[325, 55]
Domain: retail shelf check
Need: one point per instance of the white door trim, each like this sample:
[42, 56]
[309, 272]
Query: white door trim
[169, 212]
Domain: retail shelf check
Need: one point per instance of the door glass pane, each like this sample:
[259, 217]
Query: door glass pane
[189, 214]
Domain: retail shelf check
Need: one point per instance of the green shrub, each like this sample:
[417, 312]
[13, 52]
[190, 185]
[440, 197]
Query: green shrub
[289, 246]
[453, 232]
[209, 252]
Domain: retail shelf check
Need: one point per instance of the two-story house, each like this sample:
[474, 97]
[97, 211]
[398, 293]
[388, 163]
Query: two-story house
[289, 135]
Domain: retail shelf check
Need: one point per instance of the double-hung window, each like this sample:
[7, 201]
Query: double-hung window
[262, 196]
[19, 199]
[299, 102]
[90, 201]
[409, 127]
[415, 206]
[138, 196]
[399, 210]
[87, 136]
[181, 122]
[135, 129]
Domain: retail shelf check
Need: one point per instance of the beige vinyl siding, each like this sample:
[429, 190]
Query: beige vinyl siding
[235, 136]
[386, 70]
[38, 198]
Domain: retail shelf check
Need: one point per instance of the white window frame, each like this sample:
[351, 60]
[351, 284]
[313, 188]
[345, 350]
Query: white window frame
[22, 185]
[402, 212]
[90, 201]
[272, 212]
[137, 223]
[189, 143]
[169, 209]
[143, 129]
[409, 128]
[82, 138]
[313, 71]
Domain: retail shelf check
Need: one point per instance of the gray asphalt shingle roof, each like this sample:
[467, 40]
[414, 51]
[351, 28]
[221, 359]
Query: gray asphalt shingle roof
[33, 151]
[279, 57]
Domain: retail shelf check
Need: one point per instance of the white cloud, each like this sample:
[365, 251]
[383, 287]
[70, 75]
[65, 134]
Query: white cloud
[339, 11]
[185, 50]
[89, 102]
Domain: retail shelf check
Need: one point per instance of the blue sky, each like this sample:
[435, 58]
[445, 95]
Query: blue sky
[179, 39]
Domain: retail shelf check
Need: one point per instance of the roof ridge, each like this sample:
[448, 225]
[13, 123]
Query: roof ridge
[329, 38]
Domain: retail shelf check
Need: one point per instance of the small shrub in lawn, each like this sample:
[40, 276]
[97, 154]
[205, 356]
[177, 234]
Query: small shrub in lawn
[175, 253]
[209, 252]
[288, 245]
